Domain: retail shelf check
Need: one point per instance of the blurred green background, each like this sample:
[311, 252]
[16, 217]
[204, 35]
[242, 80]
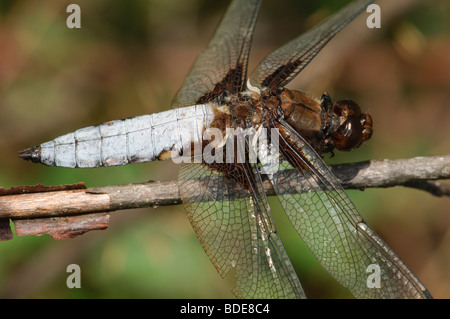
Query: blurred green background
[130, 57]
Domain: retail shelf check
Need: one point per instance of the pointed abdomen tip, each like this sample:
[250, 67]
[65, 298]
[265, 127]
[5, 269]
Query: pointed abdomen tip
[31, 154]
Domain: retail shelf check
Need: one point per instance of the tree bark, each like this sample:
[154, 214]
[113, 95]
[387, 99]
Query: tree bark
[66, 211]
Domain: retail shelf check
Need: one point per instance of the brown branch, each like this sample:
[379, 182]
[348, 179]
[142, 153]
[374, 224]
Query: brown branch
[69, 210]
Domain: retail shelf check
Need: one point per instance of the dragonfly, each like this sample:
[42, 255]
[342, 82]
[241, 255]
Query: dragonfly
[218, 130]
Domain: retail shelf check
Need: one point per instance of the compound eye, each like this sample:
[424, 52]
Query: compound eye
[367, 125]
[356, 128]
[349, 135]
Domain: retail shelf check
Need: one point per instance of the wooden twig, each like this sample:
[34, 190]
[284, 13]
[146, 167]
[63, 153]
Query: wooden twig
[55, 209]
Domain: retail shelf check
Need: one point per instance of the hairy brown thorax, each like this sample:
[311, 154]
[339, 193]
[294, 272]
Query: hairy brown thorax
[324, 125]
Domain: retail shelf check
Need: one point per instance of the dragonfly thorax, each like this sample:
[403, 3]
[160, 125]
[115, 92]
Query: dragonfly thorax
[326, 126]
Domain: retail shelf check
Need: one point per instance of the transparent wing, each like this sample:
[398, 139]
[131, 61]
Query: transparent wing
[282, 65]
[329, 223]
[221, 68]
[236, 231]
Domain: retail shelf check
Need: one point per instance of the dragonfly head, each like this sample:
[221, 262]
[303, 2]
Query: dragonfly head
[353, 127]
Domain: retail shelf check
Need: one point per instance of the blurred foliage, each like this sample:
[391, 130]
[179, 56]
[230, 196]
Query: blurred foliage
[129, 58]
